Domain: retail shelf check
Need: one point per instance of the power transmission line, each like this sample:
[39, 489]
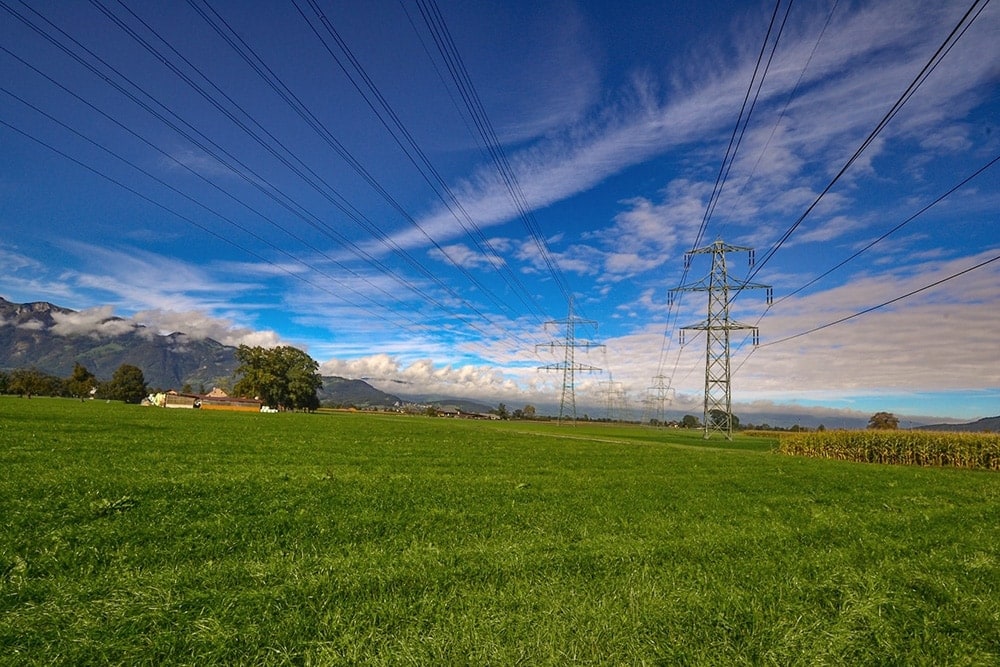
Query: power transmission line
[949, 42]
[965, 181]
[438, 28]
[735, 139]
[390, 120]
[895, 229]
[883, 304]
[255, 180]
[658, 396]
[401, 321]
[167, 156]
[791, 96]
[313, 179]
[187, 219]
[611, 390]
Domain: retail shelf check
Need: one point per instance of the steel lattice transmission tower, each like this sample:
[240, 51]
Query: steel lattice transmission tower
[718, 416]
[657, 397]
[570, 344]
[613, 389]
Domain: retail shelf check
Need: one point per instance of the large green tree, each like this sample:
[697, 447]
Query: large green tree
[32, 382]
[283, 377]
[885, 421]
[127, 384]
[81, 381]
[717, 418]
[690, 421]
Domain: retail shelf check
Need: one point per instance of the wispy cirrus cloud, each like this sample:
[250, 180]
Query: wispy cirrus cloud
[838, 99]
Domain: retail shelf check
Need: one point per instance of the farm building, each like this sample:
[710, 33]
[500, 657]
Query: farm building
[217, 399]
[214, 400]
[173, 399]
[231, 403]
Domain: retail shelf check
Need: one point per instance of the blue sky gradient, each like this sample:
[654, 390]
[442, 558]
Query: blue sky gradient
[412, 190]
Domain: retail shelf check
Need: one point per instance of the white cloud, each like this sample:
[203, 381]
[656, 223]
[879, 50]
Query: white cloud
[97, 322]
[426, 377]
[463, 256]
[13, 261]
[32, 325]
[199, 162]
[379, 366]
[938, 340]
[198, 325]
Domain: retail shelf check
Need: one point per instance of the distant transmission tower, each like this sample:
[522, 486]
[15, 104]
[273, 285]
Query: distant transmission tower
[657, 397]
[718, 416]
[568, 365]
[625, 414]
[610, 391]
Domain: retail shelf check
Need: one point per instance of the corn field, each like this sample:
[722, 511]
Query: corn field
[920, 448]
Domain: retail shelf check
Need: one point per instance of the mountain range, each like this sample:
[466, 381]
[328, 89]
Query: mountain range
[987, 424]
[53, 339]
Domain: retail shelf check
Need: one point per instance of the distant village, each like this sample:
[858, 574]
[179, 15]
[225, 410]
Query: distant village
[219, 399]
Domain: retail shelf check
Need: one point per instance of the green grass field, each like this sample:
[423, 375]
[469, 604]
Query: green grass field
[145, 536]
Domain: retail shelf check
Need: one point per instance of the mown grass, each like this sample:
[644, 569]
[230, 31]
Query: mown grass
[142, 536]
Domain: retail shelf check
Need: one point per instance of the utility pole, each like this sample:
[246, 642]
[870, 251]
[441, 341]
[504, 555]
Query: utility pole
[568, 365]
[718, 416]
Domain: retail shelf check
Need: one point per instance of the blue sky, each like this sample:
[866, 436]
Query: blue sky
[411, 191]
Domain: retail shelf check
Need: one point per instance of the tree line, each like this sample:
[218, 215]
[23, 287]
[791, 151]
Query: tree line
[283, 377]
[126, 384]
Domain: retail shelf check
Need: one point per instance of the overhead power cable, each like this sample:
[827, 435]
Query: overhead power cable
[462, 113]
[883, 304]
[791, 96]
[735, 139]
[895, 229]
[255, 180]
[949, 42]
[965, 181]
[166, 155]
[956, 33]
[287, 157]
[400, 321]
[219, 24]
[223, 157]
[743, 119]
[439, 31]
[376, 101]
[189, 220]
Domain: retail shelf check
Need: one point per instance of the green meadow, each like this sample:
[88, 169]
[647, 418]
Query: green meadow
[133, 535]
